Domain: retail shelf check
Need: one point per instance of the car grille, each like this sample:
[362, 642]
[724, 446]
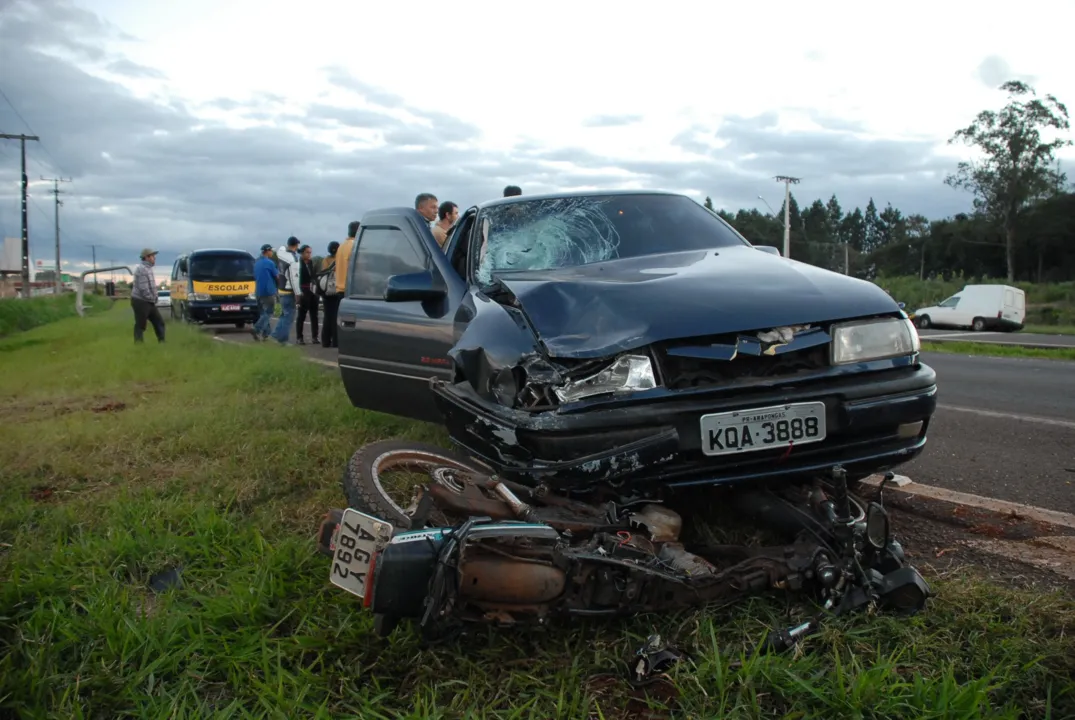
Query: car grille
[682, 372]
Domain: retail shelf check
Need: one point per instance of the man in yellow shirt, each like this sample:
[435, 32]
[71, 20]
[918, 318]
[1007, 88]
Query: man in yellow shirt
[343, 258]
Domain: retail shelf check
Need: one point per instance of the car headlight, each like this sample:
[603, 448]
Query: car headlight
[251, 297]
[628, 373]
[873, 340]
[199, 296]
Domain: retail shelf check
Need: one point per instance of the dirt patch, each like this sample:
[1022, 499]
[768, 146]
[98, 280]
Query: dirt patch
[976, 521]
[617, 699]
[941, 549]
[14, 410]
[42, 493]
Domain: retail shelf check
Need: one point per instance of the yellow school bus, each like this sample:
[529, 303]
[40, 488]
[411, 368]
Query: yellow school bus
[214, 285]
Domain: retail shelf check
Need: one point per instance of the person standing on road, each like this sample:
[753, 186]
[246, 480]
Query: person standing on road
[343, 257]
[144, 297]
[326, 287]
[287, 262]
[307, 298]
[265, 274]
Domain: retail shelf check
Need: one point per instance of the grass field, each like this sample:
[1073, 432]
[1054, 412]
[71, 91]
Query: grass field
[993, 350]
[1049, 329]
[17, 314]
[121, 461]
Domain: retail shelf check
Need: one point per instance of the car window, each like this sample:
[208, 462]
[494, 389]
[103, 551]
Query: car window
[381, 253]
[209, 268]
[950, 302]
[564, 232]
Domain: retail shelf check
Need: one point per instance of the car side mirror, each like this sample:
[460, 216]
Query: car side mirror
[768, 249]
[183, 266]
[409, 287]
[902, 305]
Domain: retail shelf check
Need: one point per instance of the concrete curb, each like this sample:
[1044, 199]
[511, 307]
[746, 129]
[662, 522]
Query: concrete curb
[987, 343]
[906, 492]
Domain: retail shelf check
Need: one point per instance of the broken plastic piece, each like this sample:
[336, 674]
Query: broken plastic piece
[653, 658]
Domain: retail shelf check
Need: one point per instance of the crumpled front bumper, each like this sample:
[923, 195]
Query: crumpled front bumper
[875, 421]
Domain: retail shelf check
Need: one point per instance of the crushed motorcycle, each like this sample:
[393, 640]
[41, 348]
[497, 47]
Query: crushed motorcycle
[473, 548]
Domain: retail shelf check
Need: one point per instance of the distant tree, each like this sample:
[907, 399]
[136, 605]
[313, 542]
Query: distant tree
[918, 235]
[709, 202]
[1018, 163]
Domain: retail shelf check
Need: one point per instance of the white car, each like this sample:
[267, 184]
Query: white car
[978, 307]
[164, 298]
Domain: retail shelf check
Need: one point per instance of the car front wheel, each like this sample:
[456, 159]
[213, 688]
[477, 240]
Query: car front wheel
[923, 321]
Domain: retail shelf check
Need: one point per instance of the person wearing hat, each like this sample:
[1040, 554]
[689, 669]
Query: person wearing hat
[287, 259]
[265, 274]
[144, 297]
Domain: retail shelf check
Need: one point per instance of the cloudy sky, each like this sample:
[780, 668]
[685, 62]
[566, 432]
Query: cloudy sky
[238, 122]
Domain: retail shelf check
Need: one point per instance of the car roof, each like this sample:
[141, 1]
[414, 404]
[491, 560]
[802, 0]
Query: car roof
[572, 194]
[219, 251]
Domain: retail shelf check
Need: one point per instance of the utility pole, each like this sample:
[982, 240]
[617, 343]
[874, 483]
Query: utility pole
[25, 230]
[56, 193]
[788, 181]
[94, 249]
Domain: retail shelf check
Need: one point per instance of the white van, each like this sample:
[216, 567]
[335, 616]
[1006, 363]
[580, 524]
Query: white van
[978, 307]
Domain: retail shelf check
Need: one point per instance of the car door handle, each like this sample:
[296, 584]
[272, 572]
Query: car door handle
[347, 321]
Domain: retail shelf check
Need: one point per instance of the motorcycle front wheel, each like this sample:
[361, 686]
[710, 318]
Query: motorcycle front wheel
[370, 484]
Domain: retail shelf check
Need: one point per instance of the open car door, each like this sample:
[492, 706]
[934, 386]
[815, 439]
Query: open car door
[395, 323]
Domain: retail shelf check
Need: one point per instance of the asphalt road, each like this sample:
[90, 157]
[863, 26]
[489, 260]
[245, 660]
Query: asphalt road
[1000, 338]
[1005, 427]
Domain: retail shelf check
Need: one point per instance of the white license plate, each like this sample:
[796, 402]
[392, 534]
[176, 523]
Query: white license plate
[231, 308]
[763, 428]
[357, 539]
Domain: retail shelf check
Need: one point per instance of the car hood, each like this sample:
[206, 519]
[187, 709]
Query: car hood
[600, 309]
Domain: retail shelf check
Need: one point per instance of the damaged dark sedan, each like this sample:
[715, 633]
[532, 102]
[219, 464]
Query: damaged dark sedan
[628, 337]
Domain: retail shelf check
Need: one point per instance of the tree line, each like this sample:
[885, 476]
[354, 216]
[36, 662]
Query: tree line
[1022, 226]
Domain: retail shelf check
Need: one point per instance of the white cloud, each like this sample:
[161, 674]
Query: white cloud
[308, 115]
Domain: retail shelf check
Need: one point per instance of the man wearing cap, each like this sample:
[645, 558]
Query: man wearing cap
[144, 297]
[288, 283]
[265, 290]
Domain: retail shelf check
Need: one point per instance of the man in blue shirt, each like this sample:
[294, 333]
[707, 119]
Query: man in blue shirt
[265, 290]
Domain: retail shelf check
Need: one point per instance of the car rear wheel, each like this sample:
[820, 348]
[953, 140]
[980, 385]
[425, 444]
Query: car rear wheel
[923, 321]
[978, 325]
[371, 485]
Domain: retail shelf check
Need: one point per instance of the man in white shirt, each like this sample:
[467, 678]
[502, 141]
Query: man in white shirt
[287, 259]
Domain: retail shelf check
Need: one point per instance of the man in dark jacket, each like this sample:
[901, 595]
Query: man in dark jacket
[307, 298]
[265, 288]
[330, 295]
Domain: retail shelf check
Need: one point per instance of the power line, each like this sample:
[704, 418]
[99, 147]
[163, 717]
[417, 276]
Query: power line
[21, 118]
[25, 230]
[56, 193]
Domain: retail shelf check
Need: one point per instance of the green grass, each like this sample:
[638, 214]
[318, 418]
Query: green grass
[993, 350]
[221, 459]
[1049, 329]
[17, 314]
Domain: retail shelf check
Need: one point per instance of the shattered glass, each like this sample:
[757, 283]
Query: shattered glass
[552, 233]
[560, 233]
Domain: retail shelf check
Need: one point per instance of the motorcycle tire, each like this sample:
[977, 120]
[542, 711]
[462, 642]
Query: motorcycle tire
[361, 477]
